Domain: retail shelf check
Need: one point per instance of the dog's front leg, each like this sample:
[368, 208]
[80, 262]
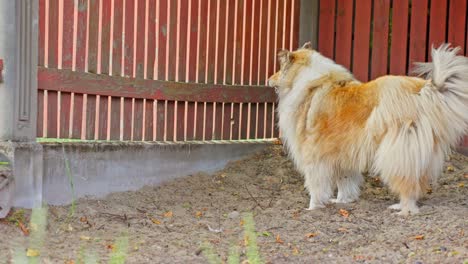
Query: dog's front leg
[318, 181]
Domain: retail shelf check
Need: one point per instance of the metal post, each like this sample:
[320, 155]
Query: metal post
[18, 103]
[308, 22]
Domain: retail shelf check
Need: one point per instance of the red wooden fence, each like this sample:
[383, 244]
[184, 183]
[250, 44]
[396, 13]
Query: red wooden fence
[378, 37]
[161, 69]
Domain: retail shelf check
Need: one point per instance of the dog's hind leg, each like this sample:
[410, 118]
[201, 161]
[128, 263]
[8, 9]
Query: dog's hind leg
[410, 190]
[319, 183]
[349, 187]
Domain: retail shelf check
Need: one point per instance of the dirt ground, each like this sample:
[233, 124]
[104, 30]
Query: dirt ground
[171, 222]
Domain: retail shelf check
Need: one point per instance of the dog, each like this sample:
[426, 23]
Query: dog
[398, 127]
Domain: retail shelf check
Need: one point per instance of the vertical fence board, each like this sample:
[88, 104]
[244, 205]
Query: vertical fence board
[457, 24]
[40, 113]
[138, 120]
[140, 39]
[115, 118]
[52, 114]
[65, 104]
[437, 24]
[183, 30]
[117, 39]
[148, 121]
[105, 36]
[77, 115]
[103, 117]
[53, 33]
[237, 67]
[172, 35]
[362, 25]
[81, 35]
[344, 30]
[162, 35]
[67, 42]
[326, 36]
[93, 35]
[220, 44]
[262, 38]
[271, 55]
[194, 37]
[90, 116]
[129, 18]
[380, 38]
[398, 54]
[231, 34]
[151, 40]
[417, 51]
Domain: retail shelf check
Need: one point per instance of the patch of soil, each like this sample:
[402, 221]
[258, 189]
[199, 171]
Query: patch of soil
[171, 222]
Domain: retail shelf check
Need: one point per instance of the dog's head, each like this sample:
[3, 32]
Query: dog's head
[291, 64]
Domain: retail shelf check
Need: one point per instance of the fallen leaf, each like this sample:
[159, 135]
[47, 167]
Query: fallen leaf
[198, 214]
[429, 190]
[32, 252]
[461, 185]
[241, 223]
[296, 214]
[111, 247]
[309, 235]
[342, 229]
[204, 209]
[466, 175]
[85, 238]
[295, 251]
[344, 213]
[83, 219]
[155, 221]
[278, 239]
[419, 237]
[266, 233]
[71, 261]
[450, 169]
[168, 214]
[23, 228]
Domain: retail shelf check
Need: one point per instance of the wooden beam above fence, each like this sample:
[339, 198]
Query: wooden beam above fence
[104, 85]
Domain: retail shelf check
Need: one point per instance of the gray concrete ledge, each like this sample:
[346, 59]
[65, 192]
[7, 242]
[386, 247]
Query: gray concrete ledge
[97, 169]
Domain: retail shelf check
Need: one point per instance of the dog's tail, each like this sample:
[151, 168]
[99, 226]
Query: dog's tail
[449, 75]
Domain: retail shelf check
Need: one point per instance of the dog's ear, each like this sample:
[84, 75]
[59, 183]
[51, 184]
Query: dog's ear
[307, 45]
[284, 56]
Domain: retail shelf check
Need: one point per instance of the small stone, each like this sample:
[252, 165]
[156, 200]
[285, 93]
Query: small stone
[443, 249]
[233, 215]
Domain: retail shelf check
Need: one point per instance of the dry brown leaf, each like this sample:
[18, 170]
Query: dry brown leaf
[23, 228]
[450, 169]
[85, 238]
[344, 213]
[241, 223]
[83, 219]
[429, 190]
[168, 214]
[466, 175]
[198, 214]
[419, 237]
[111, 247]
[71, 261]
[461, 185]
[342, 229]
[309, 235]
[278, 239]
[155, 221]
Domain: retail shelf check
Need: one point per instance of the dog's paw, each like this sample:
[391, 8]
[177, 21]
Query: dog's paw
[396, 206]
[315, 207]
[342, 201]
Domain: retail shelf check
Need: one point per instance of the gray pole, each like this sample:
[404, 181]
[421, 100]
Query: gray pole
[20, 155]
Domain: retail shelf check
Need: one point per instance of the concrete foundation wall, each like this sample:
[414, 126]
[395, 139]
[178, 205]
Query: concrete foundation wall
[97, 169]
